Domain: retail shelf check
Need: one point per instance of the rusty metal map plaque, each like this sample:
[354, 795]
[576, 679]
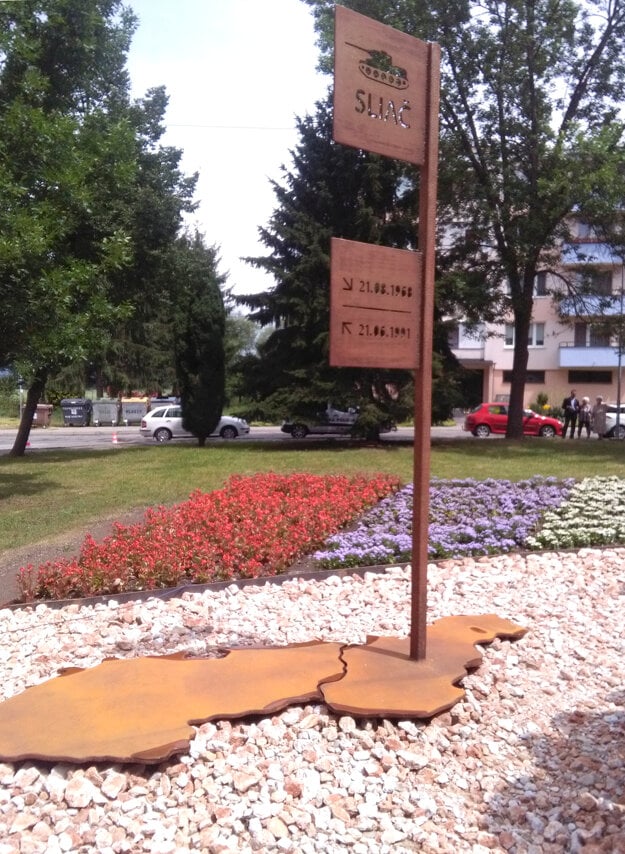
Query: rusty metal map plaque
[144, 709]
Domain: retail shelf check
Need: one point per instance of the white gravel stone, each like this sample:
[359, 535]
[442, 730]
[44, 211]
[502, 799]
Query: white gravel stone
[531, 761]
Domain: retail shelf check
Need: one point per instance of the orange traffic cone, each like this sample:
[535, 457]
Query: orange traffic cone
[115, 438]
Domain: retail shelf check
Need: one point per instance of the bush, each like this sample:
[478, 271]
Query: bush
[9, 397]
[542, 406]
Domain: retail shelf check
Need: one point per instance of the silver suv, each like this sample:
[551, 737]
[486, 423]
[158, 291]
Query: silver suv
[165, 423]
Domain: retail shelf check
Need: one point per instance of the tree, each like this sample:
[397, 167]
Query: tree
[200, 327]
[88, 200]
[67, 163]
[330, 191]
[530, 93]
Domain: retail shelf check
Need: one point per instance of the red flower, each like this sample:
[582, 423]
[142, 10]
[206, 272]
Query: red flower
[254, 526]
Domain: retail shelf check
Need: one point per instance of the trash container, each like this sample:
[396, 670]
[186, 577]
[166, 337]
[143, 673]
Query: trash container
[76, 411]
[42, 416]
[105, 411]
[133, 409]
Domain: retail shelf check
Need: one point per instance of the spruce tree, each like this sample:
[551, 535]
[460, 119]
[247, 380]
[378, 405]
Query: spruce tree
[199, 345]
[330, 191]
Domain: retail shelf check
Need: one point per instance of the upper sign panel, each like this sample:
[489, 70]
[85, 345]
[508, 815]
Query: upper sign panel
[380, 87]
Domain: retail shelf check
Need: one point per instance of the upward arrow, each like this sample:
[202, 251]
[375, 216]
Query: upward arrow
[346, 328]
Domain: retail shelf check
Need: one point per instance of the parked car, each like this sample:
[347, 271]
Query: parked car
[612, 432]
[329, 421]
[165, 423]
[487, 418]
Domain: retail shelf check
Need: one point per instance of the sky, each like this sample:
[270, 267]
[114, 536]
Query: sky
[237, 72]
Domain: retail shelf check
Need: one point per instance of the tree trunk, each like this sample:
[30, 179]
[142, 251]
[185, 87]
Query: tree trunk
[514, 429]
[33, 396]
[99, 384]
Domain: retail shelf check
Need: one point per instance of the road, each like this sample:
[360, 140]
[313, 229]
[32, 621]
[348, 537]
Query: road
[94, 438]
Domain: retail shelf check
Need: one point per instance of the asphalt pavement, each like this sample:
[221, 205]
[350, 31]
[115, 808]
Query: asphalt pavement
[93, 438]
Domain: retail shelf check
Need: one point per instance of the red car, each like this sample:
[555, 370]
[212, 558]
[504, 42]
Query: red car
[490, 418]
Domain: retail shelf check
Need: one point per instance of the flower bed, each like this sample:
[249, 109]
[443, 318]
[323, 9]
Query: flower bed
[467, 517]
[254, 526]
[592, 515]
[260, 525]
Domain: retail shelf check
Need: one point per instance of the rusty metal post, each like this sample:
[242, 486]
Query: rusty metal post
[423, 374]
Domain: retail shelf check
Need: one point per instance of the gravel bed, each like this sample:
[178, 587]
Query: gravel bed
[532, 760]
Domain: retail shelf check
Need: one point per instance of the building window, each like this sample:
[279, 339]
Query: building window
[535, 338]
[579, 334]
[585, 231]
[601, 282]
[540, 285]
[535, 377]
[453, 337]
[596, 282]
[599, 337]
[465, 336]
[589, 377]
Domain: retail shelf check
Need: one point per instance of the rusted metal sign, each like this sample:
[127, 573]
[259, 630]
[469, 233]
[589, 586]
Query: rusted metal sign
[380, 83]
[386, 97]
[374, 320]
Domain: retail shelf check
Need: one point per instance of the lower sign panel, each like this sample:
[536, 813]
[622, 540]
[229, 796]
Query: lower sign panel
[375, 294]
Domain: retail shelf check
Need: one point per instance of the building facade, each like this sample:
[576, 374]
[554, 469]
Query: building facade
[574, 340]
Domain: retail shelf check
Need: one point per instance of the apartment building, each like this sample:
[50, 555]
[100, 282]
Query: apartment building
[569, 346]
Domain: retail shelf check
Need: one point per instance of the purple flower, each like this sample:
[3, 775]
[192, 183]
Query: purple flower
[467, 517]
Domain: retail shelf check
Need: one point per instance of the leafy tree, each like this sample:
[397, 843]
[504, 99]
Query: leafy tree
[330, 191]
[200, 327]
[89, 202]
[530, 94]
[68, 159]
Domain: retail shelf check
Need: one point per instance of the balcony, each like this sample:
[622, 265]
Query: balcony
[591, 305]
[589, 253]
[468, 354]
[588, 357]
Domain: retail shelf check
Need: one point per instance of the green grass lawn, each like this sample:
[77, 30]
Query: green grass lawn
[48, 493]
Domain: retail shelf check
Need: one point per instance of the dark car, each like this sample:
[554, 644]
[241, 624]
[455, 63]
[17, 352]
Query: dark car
[329, 421]
[487, 418]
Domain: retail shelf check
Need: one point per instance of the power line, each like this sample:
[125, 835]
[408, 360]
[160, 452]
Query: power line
[227, 127]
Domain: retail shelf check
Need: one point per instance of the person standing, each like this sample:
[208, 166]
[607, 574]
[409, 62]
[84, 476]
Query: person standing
[570, 405]
[598, 417]
[584, 417]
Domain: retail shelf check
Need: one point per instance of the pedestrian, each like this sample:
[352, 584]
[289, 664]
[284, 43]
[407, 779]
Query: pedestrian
[584, 417]
[570, 405]
[598, 417]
